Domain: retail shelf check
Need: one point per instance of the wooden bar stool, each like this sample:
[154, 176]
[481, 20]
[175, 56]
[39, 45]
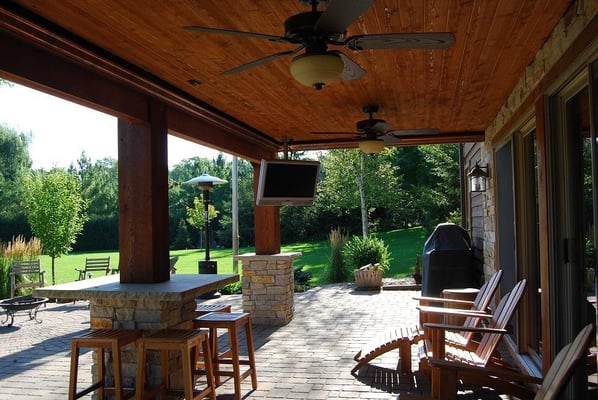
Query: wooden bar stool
[203, 309]
[232, 322]
[101, 339]
[188, 342]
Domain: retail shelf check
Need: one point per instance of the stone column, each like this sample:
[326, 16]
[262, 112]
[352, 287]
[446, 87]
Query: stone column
[149, 315]
[268, 287]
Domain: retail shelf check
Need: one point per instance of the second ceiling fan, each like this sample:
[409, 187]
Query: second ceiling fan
[314, 31]
[374, 134]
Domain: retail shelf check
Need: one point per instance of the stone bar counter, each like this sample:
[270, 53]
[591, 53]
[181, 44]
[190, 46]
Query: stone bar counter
[148, 307]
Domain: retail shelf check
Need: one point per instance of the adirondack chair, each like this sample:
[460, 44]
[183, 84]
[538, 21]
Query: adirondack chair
[92, 265]
[508, 382]
[482, 355]
[430, 313]
[403, 337]
[172, 262]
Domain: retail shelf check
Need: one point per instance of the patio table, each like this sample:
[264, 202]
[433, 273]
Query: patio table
[179, 286]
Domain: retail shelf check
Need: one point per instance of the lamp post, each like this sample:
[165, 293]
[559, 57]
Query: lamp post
[206, 184]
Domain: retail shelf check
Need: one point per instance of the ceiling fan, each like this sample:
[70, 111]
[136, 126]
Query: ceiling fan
[314, 31]
[374, 134]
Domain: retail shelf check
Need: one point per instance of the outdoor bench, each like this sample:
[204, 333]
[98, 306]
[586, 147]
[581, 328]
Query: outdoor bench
[94, 265]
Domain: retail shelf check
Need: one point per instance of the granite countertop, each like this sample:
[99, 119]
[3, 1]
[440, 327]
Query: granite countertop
[179, 287]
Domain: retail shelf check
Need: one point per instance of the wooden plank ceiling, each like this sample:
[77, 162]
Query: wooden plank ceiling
[458, 90]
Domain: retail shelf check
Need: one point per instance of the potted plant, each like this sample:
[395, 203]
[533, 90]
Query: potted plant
[369, 258]
[369, 276]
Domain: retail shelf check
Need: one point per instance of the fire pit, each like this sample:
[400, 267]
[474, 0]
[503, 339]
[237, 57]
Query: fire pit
[28, 304]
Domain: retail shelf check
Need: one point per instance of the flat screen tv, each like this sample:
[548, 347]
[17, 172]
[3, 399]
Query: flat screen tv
[287, 182]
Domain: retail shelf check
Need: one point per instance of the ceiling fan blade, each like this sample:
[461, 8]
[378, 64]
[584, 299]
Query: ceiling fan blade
[414, 132]
[423, 40]
[340, 14]
[389, 139]
[352, 70]
[272, 38]
[380, 128]
[261, 61]
[336, 133]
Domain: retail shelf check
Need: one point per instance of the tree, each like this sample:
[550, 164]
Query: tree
[14, 164]
[196, 214]
[374, 182]
[99, 188]
[55, 210]
[99, 185]
[430, 176]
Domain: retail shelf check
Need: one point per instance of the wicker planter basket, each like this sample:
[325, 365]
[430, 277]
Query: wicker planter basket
[368, 278]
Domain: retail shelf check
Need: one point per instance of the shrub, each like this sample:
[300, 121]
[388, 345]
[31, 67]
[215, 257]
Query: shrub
[232, 288]
[301, 279]
[337, 271]
[360, 251]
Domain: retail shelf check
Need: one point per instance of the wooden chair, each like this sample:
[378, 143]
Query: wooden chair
[30, 273]
[402, 338]
[481, 354]
[429, 311]
[94, 265]
[172, 262]
[514, 383]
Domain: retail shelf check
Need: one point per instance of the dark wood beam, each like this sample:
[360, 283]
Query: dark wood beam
[26, 63]
[49, 61]
[184, 125]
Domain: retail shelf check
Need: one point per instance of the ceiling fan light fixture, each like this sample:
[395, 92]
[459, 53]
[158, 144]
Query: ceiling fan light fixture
[317, 70]
[372, 146]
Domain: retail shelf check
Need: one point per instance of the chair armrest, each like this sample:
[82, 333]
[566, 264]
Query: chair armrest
[427, 300]
[461, 328]
[454, 312]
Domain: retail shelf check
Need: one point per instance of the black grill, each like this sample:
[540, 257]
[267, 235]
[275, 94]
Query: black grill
[448, 261]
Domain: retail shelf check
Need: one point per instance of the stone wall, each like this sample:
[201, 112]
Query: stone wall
[564, 34]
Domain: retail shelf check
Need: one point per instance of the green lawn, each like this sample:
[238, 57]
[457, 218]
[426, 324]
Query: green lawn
[404, 245]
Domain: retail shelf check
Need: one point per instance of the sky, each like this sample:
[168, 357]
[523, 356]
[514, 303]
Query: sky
[61, 130]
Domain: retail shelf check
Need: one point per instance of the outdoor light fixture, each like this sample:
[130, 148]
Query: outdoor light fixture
[371, 146]
[206, 184]
[478, 178]
[317, 70]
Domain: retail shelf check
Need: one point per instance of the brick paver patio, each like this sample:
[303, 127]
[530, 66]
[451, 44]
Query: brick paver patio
[309, 358]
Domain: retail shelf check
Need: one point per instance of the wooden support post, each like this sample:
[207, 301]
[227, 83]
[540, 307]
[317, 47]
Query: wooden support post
[267, 223]
[143, 201]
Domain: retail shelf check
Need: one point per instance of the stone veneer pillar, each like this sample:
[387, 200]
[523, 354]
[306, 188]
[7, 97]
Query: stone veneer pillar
[148, 314]
[268, 287]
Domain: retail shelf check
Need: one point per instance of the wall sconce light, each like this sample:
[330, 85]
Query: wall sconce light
[478, 178]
